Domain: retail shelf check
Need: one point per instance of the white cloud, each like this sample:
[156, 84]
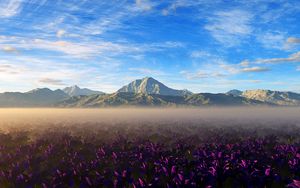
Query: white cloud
[293, 40]
[86, 49]
[298, 68]
[291, 59]
[255, 69]
[221, 69]
[9, 49]
[5, 68]
[176, 4]
[272, 40]
[144, 5]
[244, 63]
[60, 33]
[51, 81]
[9, 69]
[147, 71]
[201, 74]
[9, 8]
[200, 54]
[229, 27]
[229, 68]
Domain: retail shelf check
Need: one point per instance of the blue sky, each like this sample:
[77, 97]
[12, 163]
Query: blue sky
[204, 46]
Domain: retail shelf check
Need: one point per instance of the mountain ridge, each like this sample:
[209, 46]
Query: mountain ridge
[34, 98]
[145, 92]
[77, 91]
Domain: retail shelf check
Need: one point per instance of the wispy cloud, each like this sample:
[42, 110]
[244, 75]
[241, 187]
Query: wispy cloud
[201, 74]
[147, 71]
[9, 49]
[51, 81]
[229, 27]
[60, 33]
[255, 69]
[144, 5]
[200, 54]
[244, 63]
[291, 59]
[5, 68]
[298, 68]
[10, 69]
[272, 40]
[85, 49]
[175, 5]
[222, 69]
[9, 8]
[293, 40]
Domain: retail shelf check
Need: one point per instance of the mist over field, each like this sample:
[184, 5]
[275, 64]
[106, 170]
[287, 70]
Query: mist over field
[241, 116]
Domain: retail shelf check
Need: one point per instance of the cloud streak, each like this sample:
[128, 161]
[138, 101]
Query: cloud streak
[293, 58]
[293, 40]
[229, 27]
[10, 8]
[147, 71]
[9, 49]
[86, 49]
[255, 69]
[221, 70]
[51, 81]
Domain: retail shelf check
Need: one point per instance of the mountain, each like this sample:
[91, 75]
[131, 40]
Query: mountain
[149, 85]
[76, 91]
[235, 92]
[274, 97]
[143, 99]
[37, 97]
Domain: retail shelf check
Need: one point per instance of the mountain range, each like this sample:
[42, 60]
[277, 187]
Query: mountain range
[144, 92]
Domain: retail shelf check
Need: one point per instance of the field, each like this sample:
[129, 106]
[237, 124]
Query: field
[137, 147]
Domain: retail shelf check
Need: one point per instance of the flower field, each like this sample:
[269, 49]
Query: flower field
[151, 155]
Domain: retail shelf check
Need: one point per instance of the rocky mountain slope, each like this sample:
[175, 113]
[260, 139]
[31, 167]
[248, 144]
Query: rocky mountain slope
[149, 85]
[274, 97]
[77, 91]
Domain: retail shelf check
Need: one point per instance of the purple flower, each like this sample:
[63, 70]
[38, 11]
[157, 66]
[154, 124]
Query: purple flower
[267, 172]
[141, 182]
[173, 170]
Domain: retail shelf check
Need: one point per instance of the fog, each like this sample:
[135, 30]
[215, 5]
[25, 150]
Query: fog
[42, 116]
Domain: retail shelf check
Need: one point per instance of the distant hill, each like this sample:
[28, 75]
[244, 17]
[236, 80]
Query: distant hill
[148, 85]
[36, 97]
[220, 99]
[77, 91]
[274, 97]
